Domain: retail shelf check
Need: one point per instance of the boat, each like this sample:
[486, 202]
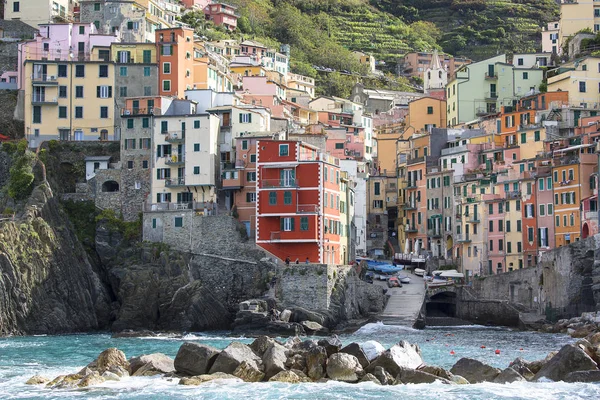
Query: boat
[419, 272]
[403, 278]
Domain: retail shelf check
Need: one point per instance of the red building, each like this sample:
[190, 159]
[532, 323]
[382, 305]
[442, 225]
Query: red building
[221, 14]
[298, 202]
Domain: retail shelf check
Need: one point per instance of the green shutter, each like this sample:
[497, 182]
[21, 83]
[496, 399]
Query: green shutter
[240, 118]
[293, 219]
[281, 224]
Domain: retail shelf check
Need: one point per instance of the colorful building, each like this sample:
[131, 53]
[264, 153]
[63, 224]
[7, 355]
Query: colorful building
[175, 60]
[222, 15]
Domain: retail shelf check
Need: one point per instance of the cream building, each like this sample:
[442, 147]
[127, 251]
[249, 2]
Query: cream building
[35, 12]
[581, 78]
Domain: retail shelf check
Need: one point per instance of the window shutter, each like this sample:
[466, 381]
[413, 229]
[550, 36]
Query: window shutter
[240, 118]
[292, 220]
[110, 91]
[158, 174]
[281, 223]
[98, 91]
[159, 151]
[250, 120]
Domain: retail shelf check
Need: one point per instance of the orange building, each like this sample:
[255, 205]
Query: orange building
[175, 61]
[298, 202]
[423, 114]
[416, 193]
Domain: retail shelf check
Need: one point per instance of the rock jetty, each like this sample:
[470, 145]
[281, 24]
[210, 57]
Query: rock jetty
[298, 361]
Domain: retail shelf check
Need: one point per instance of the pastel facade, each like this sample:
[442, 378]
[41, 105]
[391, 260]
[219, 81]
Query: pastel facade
[36, 12]
[550, 41]
[222, 14]
[580, 79]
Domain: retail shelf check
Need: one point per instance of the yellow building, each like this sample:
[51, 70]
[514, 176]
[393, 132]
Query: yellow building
[424, 114]
[531, 139]
[247, 69]
[576, 15]
[69, 100]
[580, 79]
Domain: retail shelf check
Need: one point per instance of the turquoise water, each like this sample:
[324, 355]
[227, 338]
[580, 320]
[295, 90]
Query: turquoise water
[22, 357]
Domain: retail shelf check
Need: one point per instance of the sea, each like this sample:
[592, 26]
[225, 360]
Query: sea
[23, 357]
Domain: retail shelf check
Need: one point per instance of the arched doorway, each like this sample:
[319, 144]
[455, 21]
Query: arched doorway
[449, 245]
[110, 186]
[585, 231]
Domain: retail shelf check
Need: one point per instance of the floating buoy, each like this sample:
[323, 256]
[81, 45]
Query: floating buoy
[521, 349]
[452, 352]
[497, 351]
[482, 346]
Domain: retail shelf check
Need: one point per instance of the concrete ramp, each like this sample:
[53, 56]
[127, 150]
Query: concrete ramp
[405, 303]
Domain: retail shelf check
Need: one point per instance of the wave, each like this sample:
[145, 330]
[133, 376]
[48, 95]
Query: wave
[192, 336]
[477, 327]
[381, 328]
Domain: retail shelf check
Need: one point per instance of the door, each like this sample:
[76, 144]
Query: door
[136, 106]
[78, 135]
[493, 90]
[226, 119]
[491, 70]
[247, 225]
[288, 177]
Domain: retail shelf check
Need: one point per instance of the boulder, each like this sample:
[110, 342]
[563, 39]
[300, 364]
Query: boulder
[151, 364]
[249, 372]
[232, 356]
[383, 376]
[459, 380]
[111, 358]
[37, 380]
[415, 376]
[261, 344]
[401, 355]
[536, 366]
[292, 342]
[195, 359]
[437, 371]
[65, 381]
[200, 379]
[581, 332]
[285, 315]
[128, 333]
[119, 371]
[287, 377]
[594, 339]
[509, 375]
[569, 359]
[344, 367]
[296, 361]
[370, 378]
[314, 328]
[589, 349]
[111, 376]
[583, 376]
[301, 314]
[316, 362]
[372, 349]
[90, 380]
[357, 351]
[274, 359]
[522, 367]
[332, 344]
[474, 371]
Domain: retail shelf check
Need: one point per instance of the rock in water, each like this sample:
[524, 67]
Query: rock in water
[522, 367]
[314, 328]
[569, 359]
[459, 380]
[197, 380]
[90, 380]
[370, 378]
[151, 364]
[509, 375]
[261, 344]
[111, 376]
[415, 376]
[248, 372]
[274, 359]
[232, 356]
[331, 344]
[383, 376]
[372, 349]
[37, 380]
[583, 376]
[355, 350]
[316, 360]
[474, 371]
[110, 358]
[195, 359]
[344, 367]
[402, 355]
[287, 377]
[437, 371]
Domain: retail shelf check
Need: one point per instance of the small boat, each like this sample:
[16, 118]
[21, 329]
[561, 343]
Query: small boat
[404, 278]
[419, 272]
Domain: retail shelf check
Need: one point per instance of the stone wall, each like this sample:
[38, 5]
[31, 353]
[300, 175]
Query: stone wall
[111, 200]
[306, 286]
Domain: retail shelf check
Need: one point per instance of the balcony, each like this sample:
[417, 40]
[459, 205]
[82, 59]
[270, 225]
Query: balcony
[410, 206]
[44, 80]
[231, 180]
[482, 111]
[37, 99]
[473, 219]
[238, 164]
[489, 77]
[289, 236]
[454, 150]
[125, 112]
[415, 160]
[209, 207]
[492, 96]
[175, 159]
[463, 239]
[175, 137]
[411, 185]
[411, 229]
[307, 209]
[278, 183]
[434, 233]
[591, 215]
[175, 182]
[515, 194]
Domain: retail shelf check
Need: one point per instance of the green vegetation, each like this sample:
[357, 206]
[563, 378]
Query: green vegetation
[82, 215]
[20, 182]
[131, 231]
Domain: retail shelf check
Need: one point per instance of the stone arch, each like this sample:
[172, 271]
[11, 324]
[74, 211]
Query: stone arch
[585, 231]
[110, 186]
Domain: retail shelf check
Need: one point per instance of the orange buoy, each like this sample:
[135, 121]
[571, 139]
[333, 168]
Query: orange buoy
[482, 346]
[497, 351]
[452, 352]
[521, 349]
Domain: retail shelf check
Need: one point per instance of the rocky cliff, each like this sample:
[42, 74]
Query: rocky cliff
[47, 284]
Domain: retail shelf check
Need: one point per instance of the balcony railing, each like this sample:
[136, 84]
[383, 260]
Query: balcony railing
[474, 219]
[415, 160]
[491, 95]
[410, 206]
[174, 136]
[44, 79]
[175, 159]
[140, 111]
[278, 183]
[230, 165]
[491, 77]
[591, 215]
[463, 238]
[210, 207]
[173, 182]
[434, 233]
[307, 208]
[44, 99]
[515, 194]
[411, 185]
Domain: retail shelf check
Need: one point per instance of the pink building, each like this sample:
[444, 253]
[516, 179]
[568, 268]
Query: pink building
[336, 142]
[260, 91]
[495, 236]
[221, 14]
[201, 4]
[545, 214]
[65, 42]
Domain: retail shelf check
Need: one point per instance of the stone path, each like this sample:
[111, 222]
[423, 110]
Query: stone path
[405, 303]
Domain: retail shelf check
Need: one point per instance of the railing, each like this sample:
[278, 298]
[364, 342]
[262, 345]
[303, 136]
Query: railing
[411, 185]
[175, 159]
[513, 194]
[434, 233]
[192, 205]
[491, 77]
[278, 183]
[140, 111]
[410, 206]
[307, 208]
[411, 229]
[175, 182]
[174, 136]
[43, 99]
[474, 219]
[591, 215]
[415, 160]
[485, 111]
[44, 78]
[491, 95]
[463, 238]
[235, 165]
[455, 149]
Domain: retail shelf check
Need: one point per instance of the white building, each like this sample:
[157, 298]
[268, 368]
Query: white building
[435, 76]
[35, 12]
[95, 163]
[358, 172]
[532, 60]
[550, 38]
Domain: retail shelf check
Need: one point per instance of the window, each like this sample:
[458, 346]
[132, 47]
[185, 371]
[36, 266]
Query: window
[130, 164]
[164, 126]
[123, 91]
[145, 143]
[145, 164]
[252, 158]
[178, 222]
[536, 136]
[123, 71]
[62, 112]
[379, 204]
[542, 211]
[251, 176]
[103, 112]
[244, 145]
[500, 226]
[557, 220]
[519, 247]
[80, 71]
[519, 225]
[130, 123]
[78, 92]
[582, 86]
[251, 197]
[146, 71]
[287, 198]
[287, 224]
[102, 70]
[272, 198]
[16, 6]
[500, 244]
[96, 6]
[529, 210]
[491, 226]
[339, 146]
[303, 223]
[571, 174]
[525, 75]
[507, 226]
[430, 110]
[104, 92]
[246, 118]
[62, 92]
[78, 112]
[165, 49]
[147, 57]
[491, 246]
[62, 71]
[508, 247]
[167, 68]
[377, 189]
[196, 147]
[524, 137]
[196, 170]
[284, 149]
[166, 85]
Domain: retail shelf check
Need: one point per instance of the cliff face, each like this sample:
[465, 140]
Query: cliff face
[47, 284]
